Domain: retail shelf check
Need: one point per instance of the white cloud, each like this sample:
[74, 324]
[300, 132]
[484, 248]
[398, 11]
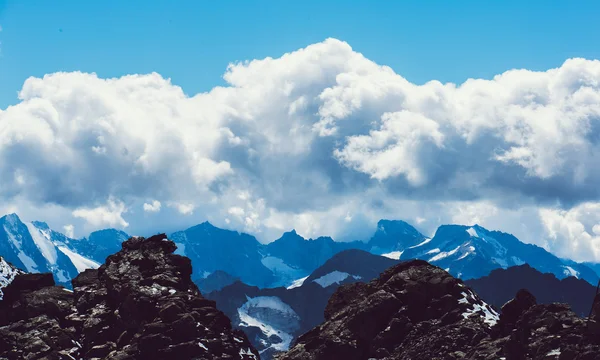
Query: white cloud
[110, 214]
[69, 230]
[321, 139]
[184, 209]
[153, 206]
[575, 232]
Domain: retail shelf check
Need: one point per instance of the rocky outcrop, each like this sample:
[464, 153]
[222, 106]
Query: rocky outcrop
[141, 304]
[501, 285]
[418, 311]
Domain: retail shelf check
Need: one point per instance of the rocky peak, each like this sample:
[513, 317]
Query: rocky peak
[140, 304]
[402, 314]
[596, 308]
[418, 311]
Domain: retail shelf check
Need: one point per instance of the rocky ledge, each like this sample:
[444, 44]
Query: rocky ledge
[418, 311]
[141, 304]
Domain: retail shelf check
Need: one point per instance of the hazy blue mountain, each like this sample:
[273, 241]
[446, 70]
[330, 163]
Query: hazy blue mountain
[292, 256]
[215, 281]
[393, 237]
[465, 251]
[211, 249]
[100, 244]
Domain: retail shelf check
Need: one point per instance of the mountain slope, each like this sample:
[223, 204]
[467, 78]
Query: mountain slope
[212, 249]
[215, 281]
[141, 304]
[501, 284]
[100, 244]
[293, 257]
[471, 252]
[393, 237]
[33, 247]
[273, 318]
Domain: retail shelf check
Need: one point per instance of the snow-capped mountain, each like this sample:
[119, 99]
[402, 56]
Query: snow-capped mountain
[465, 251]
[7, 274]
[469, 252]
[273, 318]
[393, 237]
[33, 247]
[293, 257]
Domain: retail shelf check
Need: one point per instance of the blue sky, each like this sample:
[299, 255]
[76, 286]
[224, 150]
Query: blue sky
[331, 125]
[192, 42]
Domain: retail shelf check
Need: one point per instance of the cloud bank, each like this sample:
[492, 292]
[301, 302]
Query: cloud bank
[321, 139]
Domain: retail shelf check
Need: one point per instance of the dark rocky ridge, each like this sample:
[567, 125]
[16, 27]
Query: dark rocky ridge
[141, 304]
[502, 284]
[418, 311]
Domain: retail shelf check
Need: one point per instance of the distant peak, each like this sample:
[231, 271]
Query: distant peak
[207, 224]
[40, 225]
[12, 218]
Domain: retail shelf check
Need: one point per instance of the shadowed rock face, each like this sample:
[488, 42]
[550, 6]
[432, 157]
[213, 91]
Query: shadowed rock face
[417, 311]
[141, 304]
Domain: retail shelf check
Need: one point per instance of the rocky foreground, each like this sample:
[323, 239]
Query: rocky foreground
[418, 311]
[141, 304]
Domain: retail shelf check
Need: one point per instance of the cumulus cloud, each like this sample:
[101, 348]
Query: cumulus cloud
[321, 139]
[184, 209]
[153, 206]
[69, 230]
[574, 232]
[110, 215]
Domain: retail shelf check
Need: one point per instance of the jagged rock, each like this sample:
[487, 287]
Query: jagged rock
[412, 311]
[418, 311]
[596, 308]
[33, 319]
[141, 304]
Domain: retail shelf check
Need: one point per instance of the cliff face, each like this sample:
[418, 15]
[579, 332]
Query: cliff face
[141, 304]
[418, 311]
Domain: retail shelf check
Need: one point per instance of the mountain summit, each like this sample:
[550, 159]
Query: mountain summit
[141, 304]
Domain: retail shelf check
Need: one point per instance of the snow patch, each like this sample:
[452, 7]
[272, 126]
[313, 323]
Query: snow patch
[279, 267]
[273, 317]
[555, 352]
[81, 263]
[297, 283]
[501, 262]
[421, 244]
[569, 271]
[481, 308]
[395, 255]
[43, 242]
[17, 242]
[248, 353]
[472, 232]
[334, 277]
[7, 275]
[444, 254]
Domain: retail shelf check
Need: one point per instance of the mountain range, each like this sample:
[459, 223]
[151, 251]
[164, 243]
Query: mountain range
[466, 252]
[142, 303]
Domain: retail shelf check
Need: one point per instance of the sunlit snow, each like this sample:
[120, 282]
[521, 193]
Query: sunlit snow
[81, 263]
